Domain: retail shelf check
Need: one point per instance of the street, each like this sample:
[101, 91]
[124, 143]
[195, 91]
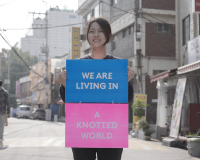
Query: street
[34, 139]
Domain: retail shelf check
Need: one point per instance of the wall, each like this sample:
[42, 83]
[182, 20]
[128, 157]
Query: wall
[159, 4]
[160, 44]
[184, 9]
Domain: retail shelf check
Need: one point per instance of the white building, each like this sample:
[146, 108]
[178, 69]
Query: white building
[59, 33]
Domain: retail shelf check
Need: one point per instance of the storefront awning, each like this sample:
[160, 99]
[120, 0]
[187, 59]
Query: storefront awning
[188, 68]
[163, 75]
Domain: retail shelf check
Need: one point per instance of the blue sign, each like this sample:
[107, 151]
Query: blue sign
[96, 81]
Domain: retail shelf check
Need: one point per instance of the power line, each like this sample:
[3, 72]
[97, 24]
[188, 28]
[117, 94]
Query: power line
[41, 27]
[20, 56]
[8, 3]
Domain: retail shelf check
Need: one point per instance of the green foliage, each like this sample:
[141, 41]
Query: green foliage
[192, 135]
[17, 69]
[138, 109]
[148, 132]
[142, 124]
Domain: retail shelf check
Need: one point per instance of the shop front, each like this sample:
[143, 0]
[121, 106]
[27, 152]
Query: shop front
[178, 109]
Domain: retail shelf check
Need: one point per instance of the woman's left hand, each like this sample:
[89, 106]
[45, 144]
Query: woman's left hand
[130, 72]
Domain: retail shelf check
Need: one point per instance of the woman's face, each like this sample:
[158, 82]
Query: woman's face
[96, 35]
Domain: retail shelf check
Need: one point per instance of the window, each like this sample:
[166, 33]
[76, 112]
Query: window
[163, 27]
[131, 30]
[96, 11]
[88, 17]
[72, 16]
[114, 42]
[27, 109]
[186, 30]
[123, 33]
[113, 2]
[127, 32]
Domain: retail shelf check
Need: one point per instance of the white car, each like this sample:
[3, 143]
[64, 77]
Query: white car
[23, 111]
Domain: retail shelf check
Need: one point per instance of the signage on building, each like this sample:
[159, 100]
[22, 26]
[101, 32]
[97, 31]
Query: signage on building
[96, 81]
[196, 6]
[194, 50]
[17, 89]
[141, 97]
[56, 74]
[75, 42]
[95, 125]
[177, 108]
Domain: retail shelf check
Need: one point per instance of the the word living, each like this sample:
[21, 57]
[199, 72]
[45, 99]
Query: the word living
[90, 75]
[94, 125]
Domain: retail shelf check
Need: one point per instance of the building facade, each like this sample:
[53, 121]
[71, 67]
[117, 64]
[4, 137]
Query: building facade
[157, 39]
[187, 28]
[59, 33]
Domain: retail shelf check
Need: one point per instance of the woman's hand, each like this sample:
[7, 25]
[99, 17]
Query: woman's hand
[130, 72]
[62, 77]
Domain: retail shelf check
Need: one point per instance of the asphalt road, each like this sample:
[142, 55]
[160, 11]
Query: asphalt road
[40, 140]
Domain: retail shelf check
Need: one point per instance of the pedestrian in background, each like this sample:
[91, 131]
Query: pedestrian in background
[98, 35]
[4, 101]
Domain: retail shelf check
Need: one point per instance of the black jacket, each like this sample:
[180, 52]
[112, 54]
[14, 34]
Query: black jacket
[130, 86]
[4, 101]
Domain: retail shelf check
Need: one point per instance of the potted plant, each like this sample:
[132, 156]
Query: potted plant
[142, 125]
[147, 134]
[193, 146]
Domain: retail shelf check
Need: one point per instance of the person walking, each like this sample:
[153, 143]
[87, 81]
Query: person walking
[98, 35]
[4, 101]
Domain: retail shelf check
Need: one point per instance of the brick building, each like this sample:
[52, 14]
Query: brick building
[157, 39]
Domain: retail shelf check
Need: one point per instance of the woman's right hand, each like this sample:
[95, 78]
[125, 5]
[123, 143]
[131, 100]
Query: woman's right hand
[62, 77]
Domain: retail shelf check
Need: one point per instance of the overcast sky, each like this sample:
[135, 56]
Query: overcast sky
[16, 15]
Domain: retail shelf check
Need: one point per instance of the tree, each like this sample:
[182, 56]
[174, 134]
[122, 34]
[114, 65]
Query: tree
[17, 69]
[138, 108]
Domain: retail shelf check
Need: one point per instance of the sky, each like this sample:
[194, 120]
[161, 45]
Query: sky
[15, 14]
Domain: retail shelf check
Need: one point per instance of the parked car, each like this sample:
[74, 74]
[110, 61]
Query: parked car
[37, 114]
[23, 111]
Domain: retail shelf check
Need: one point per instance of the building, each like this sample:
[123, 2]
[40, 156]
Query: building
[157, 39]
[34, 42]
[25, 93]
[59, 33]
[188, 66]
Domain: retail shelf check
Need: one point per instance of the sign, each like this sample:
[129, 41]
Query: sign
[0, 63]
[96, 81]
[194, 50]
[17, 89]
[177, 108]
[141, 98]
[195, 6]
[56, 74]
[75, 42]
[94, 125]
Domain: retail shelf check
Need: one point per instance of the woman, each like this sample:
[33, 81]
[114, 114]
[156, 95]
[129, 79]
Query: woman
[98, 35]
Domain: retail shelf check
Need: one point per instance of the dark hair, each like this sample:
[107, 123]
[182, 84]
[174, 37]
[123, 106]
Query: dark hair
[1, 82]
[105, 26]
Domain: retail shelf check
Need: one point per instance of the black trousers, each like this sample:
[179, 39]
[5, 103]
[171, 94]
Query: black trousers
[102, 153]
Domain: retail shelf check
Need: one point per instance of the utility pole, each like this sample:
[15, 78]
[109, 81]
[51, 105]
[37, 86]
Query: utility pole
[45, 49]
[138, 45]
[8, 82]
